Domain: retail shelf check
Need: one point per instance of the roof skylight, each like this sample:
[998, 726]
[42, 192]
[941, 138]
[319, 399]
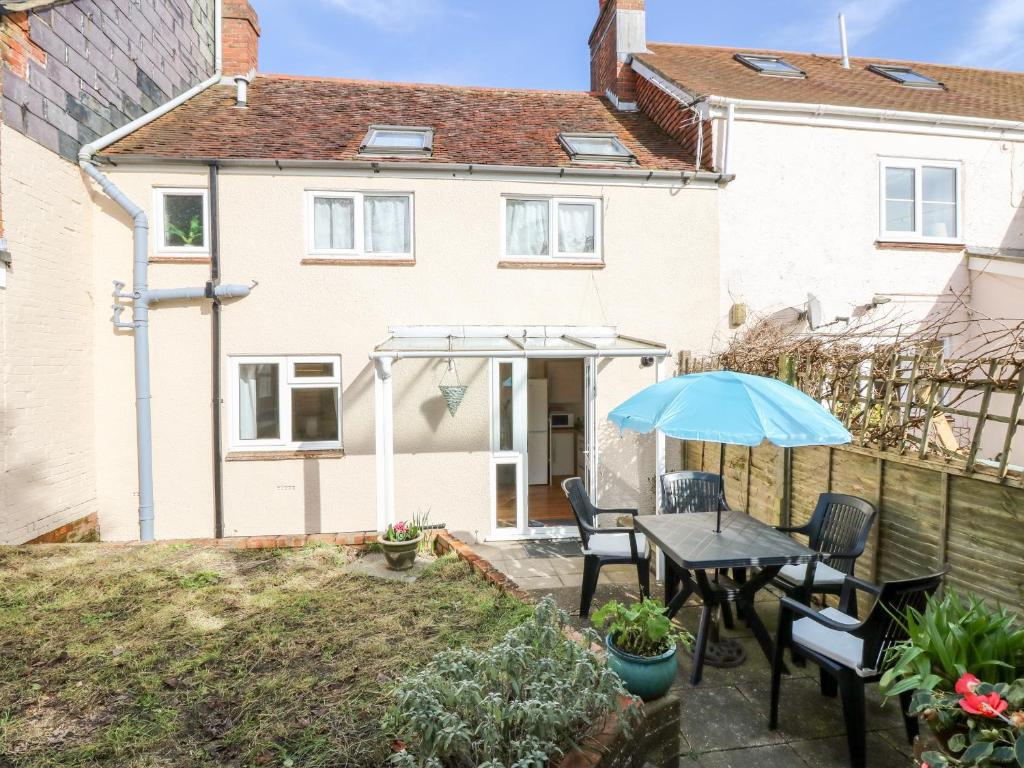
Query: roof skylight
[905, 76]
[397, 140]
[770, 65]
[595, 147]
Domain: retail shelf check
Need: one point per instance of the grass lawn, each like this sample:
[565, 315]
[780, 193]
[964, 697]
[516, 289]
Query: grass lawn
[189, 656]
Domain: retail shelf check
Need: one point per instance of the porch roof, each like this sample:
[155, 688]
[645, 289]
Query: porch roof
[434, 341]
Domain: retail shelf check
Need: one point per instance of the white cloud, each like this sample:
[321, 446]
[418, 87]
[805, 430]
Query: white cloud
[820, 32]
[994, 41]
[390, 14]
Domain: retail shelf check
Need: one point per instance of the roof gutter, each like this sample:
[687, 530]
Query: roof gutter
[582, 175]
[141, 295]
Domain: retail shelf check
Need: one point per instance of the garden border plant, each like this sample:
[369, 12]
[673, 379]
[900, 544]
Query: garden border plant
[529, 699]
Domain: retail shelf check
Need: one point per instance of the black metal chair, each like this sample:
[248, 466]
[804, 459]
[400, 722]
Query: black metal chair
[839, 528]
[850, 653]
[605, 546]
[690, 491]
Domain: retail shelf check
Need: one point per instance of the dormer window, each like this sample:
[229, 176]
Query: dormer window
[397, 140]
[595, 148]
[770, 65]
[905, 76]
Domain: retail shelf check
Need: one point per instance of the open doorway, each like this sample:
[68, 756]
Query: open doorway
[541, 415]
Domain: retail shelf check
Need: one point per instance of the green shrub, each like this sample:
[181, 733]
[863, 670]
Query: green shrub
[954, 636]
[520, 703]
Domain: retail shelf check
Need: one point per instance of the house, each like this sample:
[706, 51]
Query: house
[353, 302]
[69, 72]
[541, 249]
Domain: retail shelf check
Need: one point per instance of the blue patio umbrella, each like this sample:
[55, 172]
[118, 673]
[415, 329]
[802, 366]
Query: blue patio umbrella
[729, 407]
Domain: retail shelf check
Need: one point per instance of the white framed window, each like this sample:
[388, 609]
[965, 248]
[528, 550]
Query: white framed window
[920, 201]
[359, 225]
[906, 76]
[182, 220]
[551, 228]
[397, 140]
[286, 402]
[595, 148]
[766, 64]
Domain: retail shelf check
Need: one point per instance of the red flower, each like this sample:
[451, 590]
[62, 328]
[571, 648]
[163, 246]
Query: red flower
[989, 705]
[967, 684]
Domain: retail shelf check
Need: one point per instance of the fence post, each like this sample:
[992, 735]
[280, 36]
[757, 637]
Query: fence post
[828, 470]
[942, 555]
[876, 532]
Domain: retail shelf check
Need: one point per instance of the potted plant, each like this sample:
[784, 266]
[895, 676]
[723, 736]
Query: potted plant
[400, 542]
[642, 644]
[952, 643]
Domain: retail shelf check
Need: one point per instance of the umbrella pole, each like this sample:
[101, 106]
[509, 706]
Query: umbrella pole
[721, 474]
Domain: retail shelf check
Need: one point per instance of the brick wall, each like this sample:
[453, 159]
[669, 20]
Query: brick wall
[241, 32]
[674, 119]
[609, 67]
[73, 71]
[47, 433]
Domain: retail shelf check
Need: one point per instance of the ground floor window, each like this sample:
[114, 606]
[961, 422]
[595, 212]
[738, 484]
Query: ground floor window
[286, 402]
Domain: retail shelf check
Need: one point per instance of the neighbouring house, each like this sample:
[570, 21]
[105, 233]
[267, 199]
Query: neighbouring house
[875, 190]
[69, 72]
[405, 299]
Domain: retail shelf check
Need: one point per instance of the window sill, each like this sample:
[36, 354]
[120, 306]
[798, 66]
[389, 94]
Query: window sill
[525, 264]
[343, 262]
[323, 453]
[916, 245]
[166, 258]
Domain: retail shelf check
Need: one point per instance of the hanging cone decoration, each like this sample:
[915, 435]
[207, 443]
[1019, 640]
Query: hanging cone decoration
[453, 394]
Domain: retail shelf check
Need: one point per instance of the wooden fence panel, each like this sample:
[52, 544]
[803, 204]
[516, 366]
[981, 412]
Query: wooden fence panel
[809, 480]
[908, 522]
[985, 541]
[929, 514]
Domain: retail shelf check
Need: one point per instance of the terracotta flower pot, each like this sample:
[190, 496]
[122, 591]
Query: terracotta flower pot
[399, 555]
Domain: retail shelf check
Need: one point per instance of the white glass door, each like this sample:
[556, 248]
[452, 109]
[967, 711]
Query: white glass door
[590, 426]
[508, 447]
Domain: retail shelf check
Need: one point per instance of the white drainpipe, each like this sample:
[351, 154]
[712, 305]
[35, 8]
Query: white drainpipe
[141, 294]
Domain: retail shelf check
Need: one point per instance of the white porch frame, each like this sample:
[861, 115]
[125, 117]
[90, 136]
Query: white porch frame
[459, 341]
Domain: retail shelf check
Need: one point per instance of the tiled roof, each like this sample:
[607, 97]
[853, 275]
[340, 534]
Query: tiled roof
[706, 70]
[293, 118]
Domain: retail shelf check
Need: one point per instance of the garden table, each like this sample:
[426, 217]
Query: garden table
[690, 543]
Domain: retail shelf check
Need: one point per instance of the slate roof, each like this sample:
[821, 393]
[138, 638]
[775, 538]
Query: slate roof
[711, 70]
[306, 118]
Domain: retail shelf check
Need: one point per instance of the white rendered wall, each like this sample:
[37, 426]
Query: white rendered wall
[803, 216]
[661, 276]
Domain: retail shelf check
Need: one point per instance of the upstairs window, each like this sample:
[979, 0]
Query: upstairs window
[905, 76]
[397, 140]
[542, 228]
[920, 201]
[360, 225]
[595, 147]
[286, 403]
[182, 221]
[770, 65]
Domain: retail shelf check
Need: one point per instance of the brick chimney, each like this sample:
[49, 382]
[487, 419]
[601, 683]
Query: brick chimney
[620, 31]
[240, 38]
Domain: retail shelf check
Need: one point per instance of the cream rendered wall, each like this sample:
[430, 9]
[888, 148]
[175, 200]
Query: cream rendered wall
[46, 348]
[660, 247]
[807, 219]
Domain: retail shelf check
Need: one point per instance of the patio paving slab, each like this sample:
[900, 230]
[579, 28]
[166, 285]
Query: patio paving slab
[833, 752]
[723, 721]
[777, 756]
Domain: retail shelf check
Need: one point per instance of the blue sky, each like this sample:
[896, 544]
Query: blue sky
[543, 43]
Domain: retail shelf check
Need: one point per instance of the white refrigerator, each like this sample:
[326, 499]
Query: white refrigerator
[537, 428]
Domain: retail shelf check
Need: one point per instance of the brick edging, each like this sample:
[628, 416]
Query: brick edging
[445, 542]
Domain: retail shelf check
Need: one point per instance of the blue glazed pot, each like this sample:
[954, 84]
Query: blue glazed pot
[648, 677]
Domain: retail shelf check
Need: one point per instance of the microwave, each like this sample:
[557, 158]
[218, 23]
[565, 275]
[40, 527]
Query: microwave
[561, 420]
